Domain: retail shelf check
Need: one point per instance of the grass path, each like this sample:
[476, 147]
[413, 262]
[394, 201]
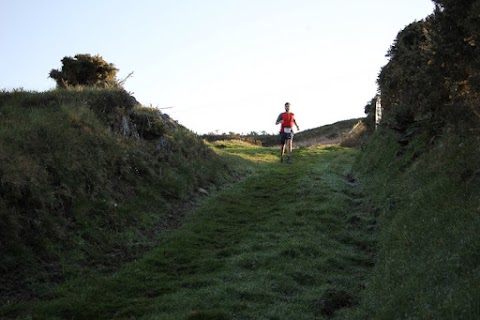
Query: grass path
[289, 242]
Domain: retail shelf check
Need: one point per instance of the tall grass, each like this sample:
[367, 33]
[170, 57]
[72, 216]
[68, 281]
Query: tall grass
[428, 259]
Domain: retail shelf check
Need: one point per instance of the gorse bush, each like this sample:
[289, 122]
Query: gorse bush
[84, 70]
[432, 79]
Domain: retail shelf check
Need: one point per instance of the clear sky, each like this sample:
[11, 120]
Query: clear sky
[217, 65]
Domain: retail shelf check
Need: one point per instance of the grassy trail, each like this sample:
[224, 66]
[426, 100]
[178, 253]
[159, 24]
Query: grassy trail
[289, 242]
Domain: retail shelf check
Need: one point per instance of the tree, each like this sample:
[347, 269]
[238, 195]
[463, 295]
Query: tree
[84, 70]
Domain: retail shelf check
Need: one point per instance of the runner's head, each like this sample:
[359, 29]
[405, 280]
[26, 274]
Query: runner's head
[287, 106]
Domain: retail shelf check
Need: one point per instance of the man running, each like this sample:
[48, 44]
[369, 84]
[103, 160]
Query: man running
[287, 120]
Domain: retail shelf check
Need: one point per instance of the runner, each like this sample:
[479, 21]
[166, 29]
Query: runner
[287, 120]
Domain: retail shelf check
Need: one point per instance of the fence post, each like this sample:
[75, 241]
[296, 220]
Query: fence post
[378, 111]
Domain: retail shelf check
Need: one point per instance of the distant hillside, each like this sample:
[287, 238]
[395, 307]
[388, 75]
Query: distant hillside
[349, 133]
[335, 133]
[88, 179]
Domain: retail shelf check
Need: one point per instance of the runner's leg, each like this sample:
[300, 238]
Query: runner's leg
[289, 148]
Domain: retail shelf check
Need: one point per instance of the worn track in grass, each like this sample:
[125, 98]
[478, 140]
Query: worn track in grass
[289, 242]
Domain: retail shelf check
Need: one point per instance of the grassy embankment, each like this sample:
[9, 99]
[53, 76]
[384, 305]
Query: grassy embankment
[428, 264]
[289, 242]
[88, 181]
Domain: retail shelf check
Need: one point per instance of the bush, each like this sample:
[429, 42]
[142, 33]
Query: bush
[84, 70]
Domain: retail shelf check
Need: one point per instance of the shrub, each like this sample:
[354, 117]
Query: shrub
[84, 70]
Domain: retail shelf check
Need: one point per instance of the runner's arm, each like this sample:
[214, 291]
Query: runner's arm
[279, 119]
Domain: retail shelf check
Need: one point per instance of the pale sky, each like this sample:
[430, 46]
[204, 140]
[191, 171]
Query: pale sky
[217, 65]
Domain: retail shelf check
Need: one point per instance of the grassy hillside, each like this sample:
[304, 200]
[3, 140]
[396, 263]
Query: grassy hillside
[427, 194]
[348, 132]
[88, 180]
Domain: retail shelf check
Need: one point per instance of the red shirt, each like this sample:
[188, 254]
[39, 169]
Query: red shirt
[288, 120]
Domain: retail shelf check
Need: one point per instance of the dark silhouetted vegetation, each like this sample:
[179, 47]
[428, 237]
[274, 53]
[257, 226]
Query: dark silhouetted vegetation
[84, 70]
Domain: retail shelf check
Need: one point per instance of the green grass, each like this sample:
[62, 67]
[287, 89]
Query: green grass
[288, 242]
[78, 196]
[428, 254]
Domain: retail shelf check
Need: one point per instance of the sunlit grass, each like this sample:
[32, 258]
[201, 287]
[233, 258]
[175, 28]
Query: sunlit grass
[247, 151]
